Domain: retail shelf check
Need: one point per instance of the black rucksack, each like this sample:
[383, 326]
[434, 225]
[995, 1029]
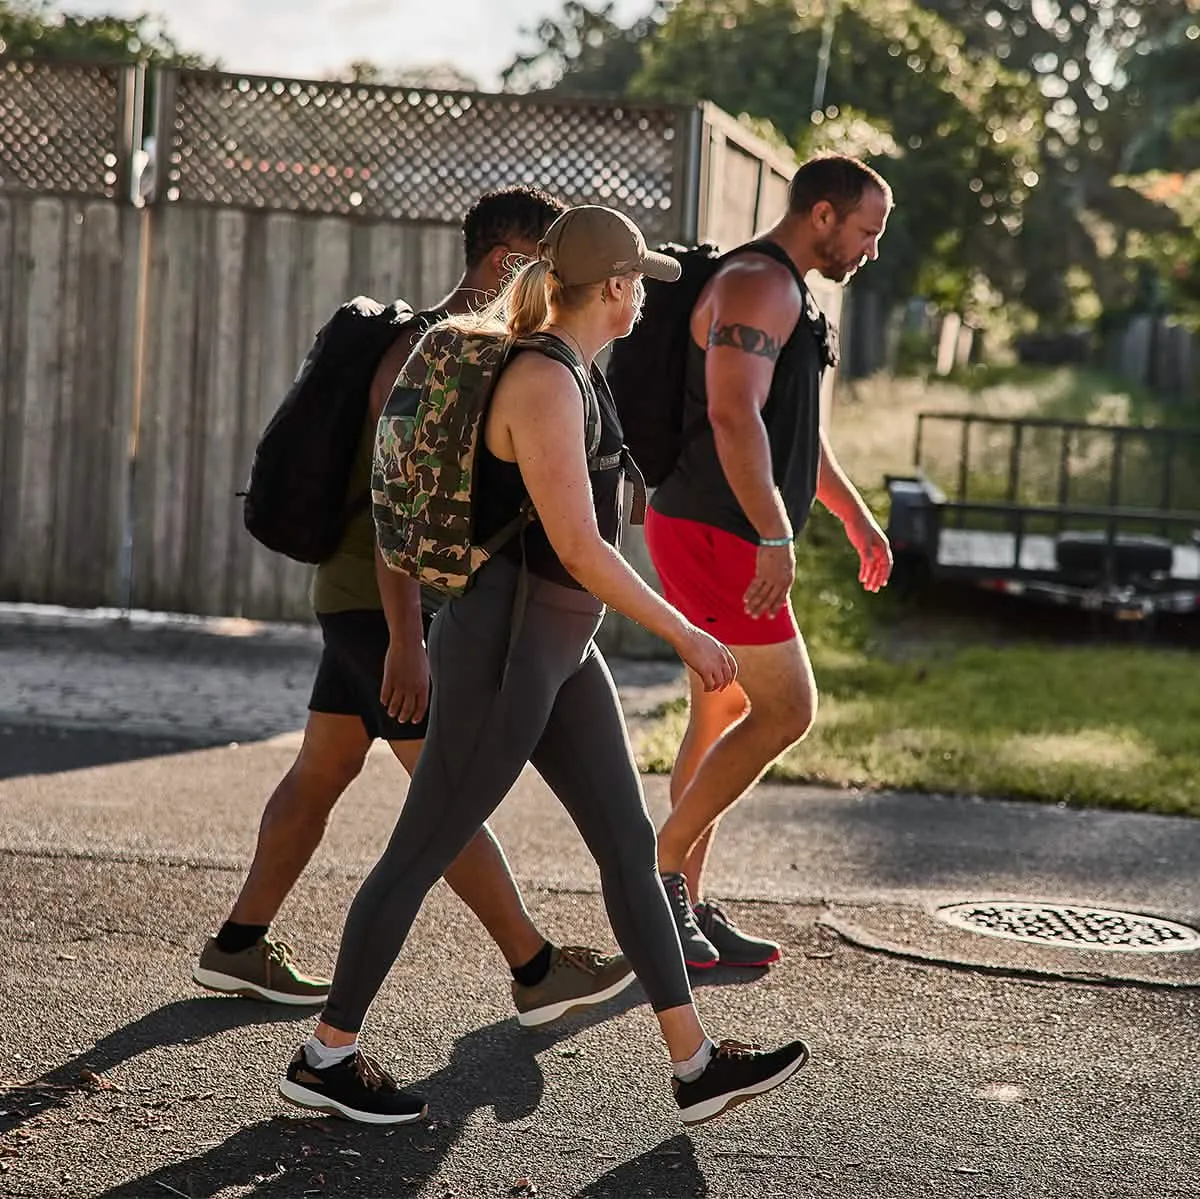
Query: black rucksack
[295, 502]
[647, 370]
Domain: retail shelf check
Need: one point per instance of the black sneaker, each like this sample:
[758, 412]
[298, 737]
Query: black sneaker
[357, 1088]
[735, 1073]
[698, 951]
[737, 948]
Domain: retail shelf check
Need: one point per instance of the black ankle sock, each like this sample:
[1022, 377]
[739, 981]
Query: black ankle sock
[535, 969]
[233, 938]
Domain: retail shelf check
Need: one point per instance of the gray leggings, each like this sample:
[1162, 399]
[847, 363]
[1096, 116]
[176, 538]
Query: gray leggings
[558, 709]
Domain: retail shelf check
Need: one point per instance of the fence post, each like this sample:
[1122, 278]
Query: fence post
[134, 364]
[689, 172]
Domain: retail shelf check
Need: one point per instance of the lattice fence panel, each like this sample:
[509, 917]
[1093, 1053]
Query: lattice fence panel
[60, 128]
[412, 154]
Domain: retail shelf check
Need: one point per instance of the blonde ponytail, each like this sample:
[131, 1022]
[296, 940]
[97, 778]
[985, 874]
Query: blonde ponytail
[527, 300]
[523, 306]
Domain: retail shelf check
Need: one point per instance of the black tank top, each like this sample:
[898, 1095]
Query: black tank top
[502, 492]
[697, 488]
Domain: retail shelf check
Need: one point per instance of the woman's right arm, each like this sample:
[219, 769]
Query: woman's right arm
[538, 401]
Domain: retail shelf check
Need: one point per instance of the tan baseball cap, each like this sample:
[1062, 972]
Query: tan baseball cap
[592, 243]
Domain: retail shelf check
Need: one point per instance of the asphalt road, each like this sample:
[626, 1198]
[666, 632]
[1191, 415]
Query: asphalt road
[926, 1080]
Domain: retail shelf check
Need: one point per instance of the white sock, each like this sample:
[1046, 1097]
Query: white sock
[321, 1057]
[690, 1070]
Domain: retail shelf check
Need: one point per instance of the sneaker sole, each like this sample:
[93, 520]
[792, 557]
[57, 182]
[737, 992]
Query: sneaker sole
[227, 984]
[555, 1011]
[767, 961]
[718, 1105]
[315, 1102]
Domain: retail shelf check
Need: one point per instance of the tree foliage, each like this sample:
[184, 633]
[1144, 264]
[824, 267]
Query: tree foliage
[963, 141]
[1162, 98]
[437, 76]
[34, 28]
[1017, 134]
[584, 51]
[1108, 90]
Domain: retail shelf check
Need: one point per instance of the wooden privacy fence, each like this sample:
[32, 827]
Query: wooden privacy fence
[150, 320]
[1160, 354]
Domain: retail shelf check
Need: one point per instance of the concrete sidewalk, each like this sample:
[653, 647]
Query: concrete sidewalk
[202, 680]
[945, 1063]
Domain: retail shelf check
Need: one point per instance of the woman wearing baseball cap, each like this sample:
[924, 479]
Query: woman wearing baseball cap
[529, 620]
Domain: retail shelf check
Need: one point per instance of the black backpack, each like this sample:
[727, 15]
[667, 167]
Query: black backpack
[295, 502]
[647, 370]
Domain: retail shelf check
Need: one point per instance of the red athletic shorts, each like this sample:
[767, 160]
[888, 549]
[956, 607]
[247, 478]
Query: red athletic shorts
[704, 573]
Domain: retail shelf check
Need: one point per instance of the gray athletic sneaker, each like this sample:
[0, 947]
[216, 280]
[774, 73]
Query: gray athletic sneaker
[264, 971]
[735, 947]
[577, 978]
[698, 951]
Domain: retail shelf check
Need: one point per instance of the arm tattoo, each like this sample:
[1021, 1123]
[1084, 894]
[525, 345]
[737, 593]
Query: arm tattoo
[746, 338]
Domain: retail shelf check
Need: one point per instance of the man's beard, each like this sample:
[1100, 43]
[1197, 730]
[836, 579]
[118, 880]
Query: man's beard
[836, 270]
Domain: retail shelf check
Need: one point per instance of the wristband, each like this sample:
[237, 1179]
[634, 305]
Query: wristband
[774, 541]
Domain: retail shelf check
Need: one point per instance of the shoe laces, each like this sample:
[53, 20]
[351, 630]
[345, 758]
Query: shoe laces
[737, 1049]
[676, 888]
[718, 912]
[372, 1075]
[583, 958]
[279, 951]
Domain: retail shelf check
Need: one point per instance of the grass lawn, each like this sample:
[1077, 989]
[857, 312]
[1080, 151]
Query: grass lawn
[949, 699]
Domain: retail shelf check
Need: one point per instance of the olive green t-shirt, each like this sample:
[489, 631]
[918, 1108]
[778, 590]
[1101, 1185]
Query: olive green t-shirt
[345, 581]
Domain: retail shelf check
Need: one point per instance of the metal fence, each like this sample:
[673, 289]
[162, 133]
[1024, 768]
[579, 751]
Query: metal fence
[154, 304]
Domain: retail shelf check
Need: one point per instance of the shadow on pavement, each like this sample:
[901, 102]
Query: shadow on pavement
[670, 1171]
[495, 1067]
[184, 1022]
[952, 842]
[725, 976]
[27, 749]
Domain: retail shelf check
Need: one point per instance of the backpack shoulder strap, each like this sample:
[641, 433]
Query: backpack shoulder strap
[552, 347]
[823, 329]
[773, 250]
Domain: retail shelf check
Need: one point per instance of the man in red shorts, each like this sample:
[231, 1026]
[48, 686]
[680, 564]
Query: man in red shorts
[722, 525]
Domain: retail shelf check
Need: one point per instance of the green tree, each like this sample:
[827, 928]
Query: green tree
[964, 126]
[1162, 96]
[33, 28]
[435, 76]
[1110, 75]
[584, 51]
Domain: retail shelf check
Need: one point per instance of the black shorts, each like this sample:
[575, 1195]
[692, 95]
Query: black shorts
[350, 675]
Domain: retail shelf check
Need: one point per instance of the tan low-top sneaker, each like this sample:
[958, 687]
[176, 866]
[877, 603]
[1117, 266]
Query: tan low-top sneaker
[264, 971]
[578, 978]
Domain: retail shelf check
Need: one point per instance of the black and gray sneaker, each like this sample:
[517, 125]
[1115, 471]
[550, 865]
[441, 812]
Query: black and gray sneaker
[735, 1073]
[698, 950]
[357, 1089]
[737, 948]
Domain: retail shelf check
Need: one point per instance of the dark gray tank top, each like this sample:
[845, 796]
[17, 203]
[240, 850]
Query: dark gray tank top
[697, 489]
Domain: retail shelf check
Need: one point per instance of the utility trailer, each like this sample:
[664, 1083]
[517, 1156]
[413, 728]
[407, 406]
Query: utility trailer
[1104, 518]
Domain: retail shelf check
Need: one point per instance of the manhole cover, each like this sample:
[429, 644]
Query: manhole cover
[1064, 926]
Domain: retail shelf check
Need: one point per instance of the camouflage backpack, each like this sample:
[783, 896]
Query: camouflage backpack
[423, 475]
